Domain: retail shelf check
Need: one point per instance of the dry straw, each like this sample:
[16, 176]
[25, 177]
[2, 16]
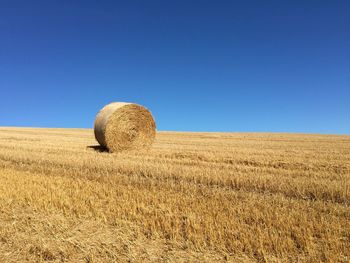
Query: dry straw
[124, 126]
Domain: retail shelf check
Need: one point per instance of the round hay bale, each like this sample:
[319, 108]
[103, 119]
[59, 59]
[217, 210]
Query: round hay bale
[124, 126]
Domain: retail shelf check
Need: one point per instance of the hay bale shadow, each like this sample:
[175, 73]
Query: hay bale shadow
[98, 148]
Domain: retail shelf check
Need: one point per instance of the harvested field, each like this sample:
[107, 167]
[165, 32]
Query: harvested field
[193, 197]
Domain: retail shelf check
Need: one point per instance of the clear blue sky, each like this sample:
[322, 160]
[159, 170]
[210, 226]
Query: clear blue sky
[197, 65]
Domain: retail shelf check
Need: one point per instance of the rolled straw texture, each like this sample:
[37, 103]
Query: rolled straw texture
[124, 126]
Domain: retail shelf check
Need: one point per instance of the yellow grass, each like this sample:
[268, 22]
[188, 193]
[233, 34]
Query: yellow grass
[192, 197]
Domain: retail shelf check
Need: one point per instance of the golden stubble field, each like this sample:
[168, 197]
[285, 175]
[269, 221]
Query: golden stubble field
[193, 197]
